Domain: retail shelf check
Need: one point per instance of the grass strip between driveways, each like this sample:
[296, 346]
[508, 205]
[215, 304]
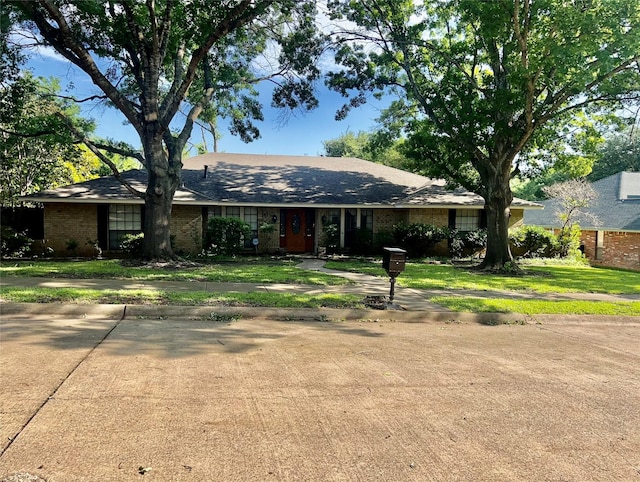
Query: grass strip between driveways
[190, 298]
[538, 307]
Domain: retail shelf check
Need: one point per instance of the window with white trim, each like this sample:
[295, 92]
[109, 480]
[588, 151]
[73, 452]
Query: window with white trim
[123, 219]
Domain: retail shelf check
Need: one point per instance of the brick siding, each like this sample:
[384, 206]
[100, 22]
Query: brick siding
[186, 227]
[64, 222]
[619, 249]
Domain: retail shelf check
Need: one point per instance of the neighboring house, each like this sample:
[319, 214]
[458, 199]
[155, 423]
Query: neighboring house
[297, 195]
[614, 240]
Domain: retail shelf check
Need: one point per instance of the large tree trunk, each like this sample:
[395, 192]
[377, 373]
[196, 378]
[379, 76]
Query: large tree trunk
[161, 187]
[497, 195]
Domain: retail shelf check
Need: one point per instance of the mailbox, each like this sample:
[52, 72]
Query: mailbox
[393, 261]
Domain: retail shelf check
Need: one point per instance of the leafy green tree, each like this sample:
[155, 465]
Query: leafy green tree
[619, 153]
[145, 56]
[573, 199]
[480, 83]
[366, 145]
[37, 152]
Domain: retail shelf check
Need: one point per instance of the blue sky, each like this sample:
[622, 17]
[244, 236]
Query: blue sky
[301, 134]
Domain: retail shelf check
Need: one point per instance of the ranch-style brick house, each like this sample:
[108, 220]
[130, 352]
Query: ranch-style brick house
[614, 240]
[298, 195]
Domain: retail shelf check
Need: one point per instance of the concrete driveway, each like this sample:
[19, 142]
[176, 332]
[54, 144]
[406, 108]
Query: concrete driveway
[97, 399]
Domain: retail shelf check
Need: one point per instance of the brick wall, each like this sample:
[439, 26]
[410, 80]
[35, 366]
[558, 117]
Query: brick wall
[619, 249]
[64, 222]
[384, 219]
[435, 217]
[186, 226]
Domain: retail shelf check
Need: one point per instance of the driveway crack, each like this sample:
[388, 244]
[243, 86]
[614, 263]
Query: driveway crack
[52, 395]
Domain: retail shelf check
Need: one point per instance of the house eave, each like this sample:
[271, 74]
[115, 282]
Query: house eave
[282, 205]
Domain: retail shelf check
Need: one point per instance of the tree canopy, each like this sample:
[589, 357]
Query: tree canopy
[481, 84]
[37, 151]
[619, 153]
[366, 145]
[152, 58]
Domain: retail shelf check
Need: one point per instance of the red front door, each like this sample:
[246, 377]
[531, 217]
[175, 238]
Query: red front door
[295, 230]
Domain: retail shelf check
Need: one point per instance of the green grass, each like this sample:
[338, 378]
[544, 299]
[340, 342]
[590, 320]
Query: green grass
[541, 279]
[538, 307]
[192, 298]
[241, 271]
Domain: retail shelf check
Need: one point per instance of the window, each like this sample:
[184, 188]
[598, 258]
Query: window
[251, 218]
[248, 215]
[232, 212]
[366, 219]
[215, 212]
[467, 219]
[123, 219]
[334, 216]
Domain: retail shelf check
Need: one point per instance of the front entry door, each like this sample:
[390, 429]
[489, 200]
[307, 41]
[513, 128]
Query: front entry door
[295, 229]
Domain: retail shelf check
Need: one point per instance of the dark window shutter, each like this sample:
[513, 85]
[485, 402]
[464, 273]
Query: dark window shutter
[483, 219]
[103, 226]
[452, 218]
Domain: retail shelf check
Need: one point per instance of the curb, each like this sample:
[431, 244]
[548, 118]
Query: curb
[121, 312]
[109, 312]
[129, 312]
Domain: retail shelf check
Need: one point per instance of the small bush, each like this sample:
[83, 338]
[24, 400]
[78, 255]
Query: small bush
[225, 236]
[569, 242]
[363, 241]
[15, 244]
[132, 244]
[331, 237]
[417, 238]
[72, 246]
[466, 243]
[382, 239]
[534, 242]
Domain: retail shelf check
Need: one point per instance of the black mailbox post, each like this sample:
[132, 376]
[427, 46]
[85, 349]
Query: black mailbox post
[393, 261]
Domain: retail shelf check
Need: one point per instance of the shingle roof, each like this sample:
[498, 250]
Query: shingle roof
[267, 179]
[617, 207]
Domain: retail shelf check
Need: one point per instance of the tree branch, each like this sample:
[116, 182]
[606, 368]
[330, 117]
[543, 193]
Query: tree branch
[81, 138]
[64, 42]
[244, 12]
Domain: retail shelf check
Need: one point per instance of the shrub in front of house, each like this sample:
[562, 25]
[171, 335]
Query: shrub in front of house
[331, 234]
[417, 238]
[569, 242]
[225, 236]
[363, 242]
[533, 242]
[15, 244]
[132, 244]
[466, 243]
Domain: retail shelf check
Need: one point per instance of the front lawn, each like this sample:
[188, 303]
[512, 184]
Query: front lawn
[538, 307]
[541, 279]
[187, 298]
[238, 271]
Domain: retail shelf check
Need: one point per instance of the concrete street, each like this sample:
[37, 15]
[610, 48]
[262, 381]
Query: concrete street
[94, 397]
